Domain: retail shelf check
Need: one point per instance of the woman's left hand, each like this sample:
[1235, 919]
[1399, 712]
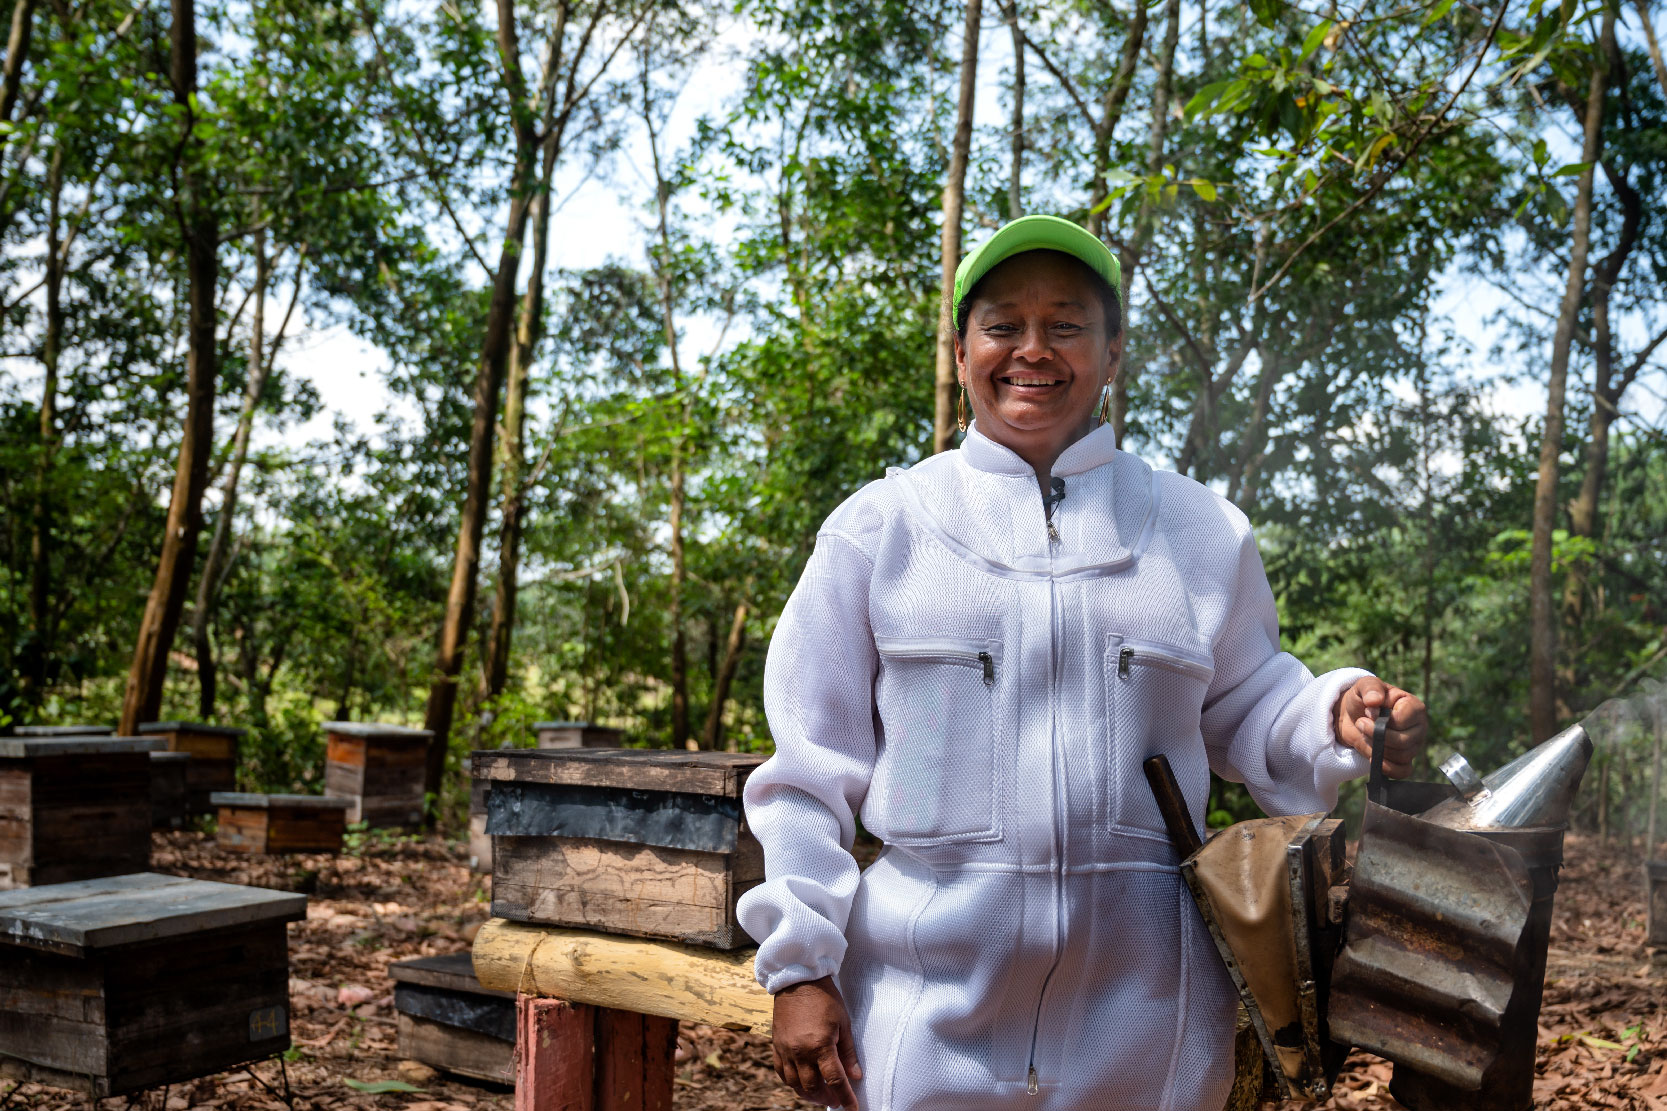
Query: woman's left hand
[1409, 724]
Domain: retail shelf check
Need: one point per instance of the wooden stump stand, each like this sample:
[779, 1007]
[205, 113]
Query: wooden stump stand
[576, 734]
[576, 1057]
[114, 985]
[73, 808]
[215, 750]
[170, 803]
[251, 823]
[379, 768]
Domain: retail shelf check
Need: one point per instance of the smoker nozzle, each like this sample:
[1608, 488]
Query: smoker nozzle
[1534, 791]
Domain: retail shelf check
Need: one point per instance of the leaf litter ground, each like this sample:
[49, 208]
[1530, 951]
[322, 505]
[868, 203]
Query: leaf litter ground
[1603, 1030]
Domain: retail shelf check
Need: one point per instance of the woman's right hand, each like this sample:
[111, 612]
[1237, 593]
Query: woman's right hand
[815, 1055]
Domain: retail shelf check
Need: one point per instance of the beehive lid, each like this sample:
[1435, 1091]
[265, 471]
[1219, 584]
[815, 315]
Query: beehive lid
[170, 757]
[452, 972]
[254, 801]
[22, 748]
[87, 915]
[65, 730]
[374, 729]
[633, 769]
[191, 727]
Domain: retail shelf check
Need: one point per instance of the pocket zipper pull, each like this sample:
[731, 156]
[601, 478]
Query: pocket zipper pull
[1031, 1087]
[1124, 658]
[989, 663]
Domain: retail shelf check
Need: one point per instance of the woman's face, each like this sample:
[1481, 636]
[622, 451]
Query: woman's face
[1036, 355]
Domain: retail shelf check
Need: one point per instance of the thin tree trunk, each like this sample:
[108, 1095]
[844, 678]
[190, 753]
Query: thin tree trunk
[17, 53]
[200, 224]
[40, 541]
[1653, 43]
[208, 582]
[489, 376]
[1130, 254]
[954, 195]
[725, 676]
[1015, 178]
[1542, 660]
[1111, 112]
[1656, 707]
[1241, 477]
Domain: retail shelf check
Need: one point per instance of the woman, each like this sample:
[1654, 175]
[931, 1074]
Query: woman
[982, 651]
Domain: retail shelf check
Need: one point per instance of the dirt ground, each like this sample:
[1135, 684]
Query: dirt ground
[1603, 1030]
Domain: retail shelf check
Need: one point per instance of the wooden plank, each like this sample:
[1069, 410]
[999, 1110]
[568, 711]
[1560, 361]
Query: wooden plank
[651, 977]
[343, 780]
[241, 831]
[210, 746]
[707, 773]
[616, 887]
[635, 1061]
[349, 752]
[297, 803]
[198, 728]
[485, 1014]
[64, 730]
[121, 910]
[25, 1072]
[452, 972]
[288, 832]
[168, 793]
[455, 1050]
[554, 1056]
[25, 748]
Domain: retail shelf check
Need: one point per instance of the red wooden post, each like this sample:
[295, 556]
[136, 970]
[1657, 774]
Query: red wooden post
[555, 1065]
[573, 1057]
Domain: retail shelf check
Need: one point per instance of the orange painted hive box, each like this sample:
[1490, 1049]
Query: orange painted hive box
[379, 768]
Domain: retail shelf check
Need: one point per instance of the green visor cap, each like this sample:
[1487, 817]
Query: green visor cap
[1036, 233]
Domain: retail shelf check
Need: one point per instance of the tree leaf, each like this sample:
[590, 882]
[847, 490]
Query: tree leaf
[1436, 13]
[1573, 169]
[1206, 190]
[1317, 35]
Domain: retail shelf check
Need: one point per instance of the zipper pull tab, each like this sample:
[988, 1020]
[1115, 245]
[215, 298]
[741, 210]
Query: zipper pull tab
[1031, 1087]
[989, 663]
[1053, 532]
[1124, 658]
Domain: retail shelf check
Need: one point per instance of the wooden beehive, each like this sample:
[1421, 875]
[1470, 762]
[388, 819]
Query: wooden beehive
[169, 795]
[251, 823]
[214, 748]
[118, 984]
[380, 768]
[447, 1020]
[64, 730]
[630, 841]
[72, 808]
[577, 734]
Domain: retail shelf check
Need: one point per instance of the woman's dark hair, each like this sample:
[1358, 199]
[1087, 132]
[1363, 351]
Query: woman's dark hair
[1109, 304]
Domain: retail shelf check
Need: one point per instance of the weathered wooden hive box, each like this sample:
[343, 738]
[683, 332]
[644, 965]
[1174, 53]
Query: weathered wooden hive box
[380, 768]
[169, 796]
[214, 748]
[447, 1020]
[118, 984]
[576, 734]
[64, 730]
[72, 808]
[627, 841]
[252, 823]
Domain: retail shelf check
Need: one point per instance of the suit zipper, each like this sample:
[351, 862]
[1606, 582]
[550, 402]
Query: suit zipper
[1032, 1079]
[948, 651]
[1128, 655]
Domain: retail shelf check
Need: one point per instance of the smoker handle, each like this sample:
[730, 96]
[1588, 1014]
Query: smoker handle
[1172, 805]
[1377, 787]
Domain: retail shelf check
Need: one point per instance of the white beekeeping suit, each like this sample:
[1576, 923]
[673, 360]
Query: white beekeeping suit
[982, 685]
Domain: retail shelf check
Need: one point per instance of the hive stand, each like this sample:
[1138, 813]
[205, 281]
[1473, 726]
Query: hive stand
[447, 1020]
[114, 985]
[252, 823]
[215, 750]
[73, 808]
[169, 794]
[380, 768]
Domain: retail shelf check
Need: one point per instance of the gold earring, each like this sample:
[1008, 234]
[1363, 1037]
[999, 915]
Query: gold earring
[1105, 406]
[961, 408]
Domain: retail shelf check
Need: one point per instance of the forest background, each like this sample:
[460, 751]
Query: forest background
[1394, 270]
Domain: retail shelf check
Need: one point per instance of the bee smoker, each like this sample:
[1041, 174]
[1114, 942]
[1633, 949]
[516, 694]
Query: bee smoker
[1432, 955]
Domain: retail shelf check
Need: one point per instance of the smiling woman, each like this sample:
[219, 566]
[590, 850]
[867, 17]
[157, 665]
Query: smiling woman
[979, 672]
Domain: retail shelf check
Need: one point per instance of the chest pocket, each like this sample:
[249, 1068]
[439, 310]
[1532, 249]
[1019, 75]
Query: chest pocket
[936, 779]
[1154, 703]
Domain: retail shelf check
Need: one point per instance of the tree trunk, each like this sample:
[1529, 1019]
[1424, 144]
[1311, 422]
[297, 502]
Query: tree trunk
[489, 376]
[40, 541]
[1653, 43]
[1015, 177]
[725, 676]
[1111, 112]
[1130, 254]
[1247, 461]
[143, 698]
[17, 53]
[510, 481]
[954, 194]
[208, 582]
[1542, 659]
